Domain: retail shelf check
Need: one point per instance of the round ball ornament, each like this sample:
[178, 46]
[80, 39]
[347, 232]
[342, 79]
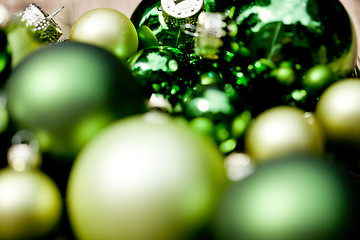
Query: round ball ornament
[283, 130]
[145, 177]
[163, 71]
[30, 201]
[107, 28]
[67, 92]
[300, 34]
[298, 197]
[338, 111]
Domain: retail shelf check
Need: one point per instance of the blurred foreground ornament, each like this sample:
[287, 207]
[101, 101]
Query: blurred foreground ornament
[264, 48]
[66, 92]
[30, 202]
[292, 198]
[147, 172]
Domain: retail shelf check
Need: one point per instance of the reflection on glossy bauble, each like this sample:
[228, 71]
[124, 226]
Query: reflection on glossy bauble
[163, 71]
[146, 177]
[68, 91]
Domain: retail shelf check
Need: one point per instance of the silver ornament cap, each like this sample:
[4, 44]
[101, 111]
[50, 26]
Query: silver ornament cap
[41, 23]
[180, 12]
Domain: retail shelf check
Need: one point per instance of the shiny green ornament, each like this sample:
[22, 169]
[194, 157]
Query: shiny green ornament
[290, 198]
[293, 36]
[216, 110]
[163, 71]
[166, 18]
[68, 91]
[5, 57]
[147, 177]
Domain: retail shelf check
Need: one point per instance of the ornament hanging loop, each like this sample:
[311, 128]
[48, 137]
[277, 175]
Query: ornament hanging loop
[24, 154]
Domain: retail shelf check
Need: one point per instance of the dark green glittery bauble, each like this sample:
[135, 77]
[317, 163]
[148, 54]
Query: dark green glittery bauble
[163, 71]
[68, 91]
[278, 42]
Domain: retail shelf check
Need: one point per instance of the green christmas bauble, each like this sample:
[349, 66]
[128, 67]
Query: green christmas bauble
[107, 28]
[163, 71]
[68, 91]
[283, 130]
[266, 47]
[338, 111]
[218, 111]
[30, 205]
[290, 198]
[145, 177]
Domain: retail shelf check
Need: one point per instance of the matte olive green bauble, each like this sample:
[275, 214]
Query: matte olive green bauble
[67, 92]
[338, 111]
[292, 198]
[146, 177]
[283, 130]
[30, 205]
[107, 28]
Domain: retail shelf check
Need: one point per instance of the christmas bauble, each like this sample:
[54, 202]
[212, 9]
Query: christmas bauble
[283, 130]
[107, 28]
[338, 111]
[145, 177]
[290, 198]
[219, 105]
[30, 205]
[68, 91]
[163, 71]
[265, 47]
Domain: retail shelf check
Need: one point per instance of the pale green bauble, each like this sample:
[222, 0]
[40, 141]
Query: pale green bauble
[283, 130]
[67, 92]
[338, 111]
[107, 28]
[30, 205]
[146, 177]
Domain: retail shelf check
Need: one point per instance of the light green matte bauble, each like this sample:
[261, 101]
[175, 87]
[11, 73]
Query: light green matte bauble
[30, 205]
[146, 177]
[107, 28]
[292, 198]
[338, 111]
[67, 92]
[281, 131]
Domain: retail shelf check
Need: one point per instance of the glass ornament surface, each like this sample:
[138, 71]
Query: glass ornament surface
[163, 71]
[297, 34]
[214, 108]
[165, 18]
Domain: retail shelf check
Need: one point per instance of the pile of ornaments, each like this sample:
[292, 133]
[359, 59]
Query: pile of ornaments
[193, 119]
